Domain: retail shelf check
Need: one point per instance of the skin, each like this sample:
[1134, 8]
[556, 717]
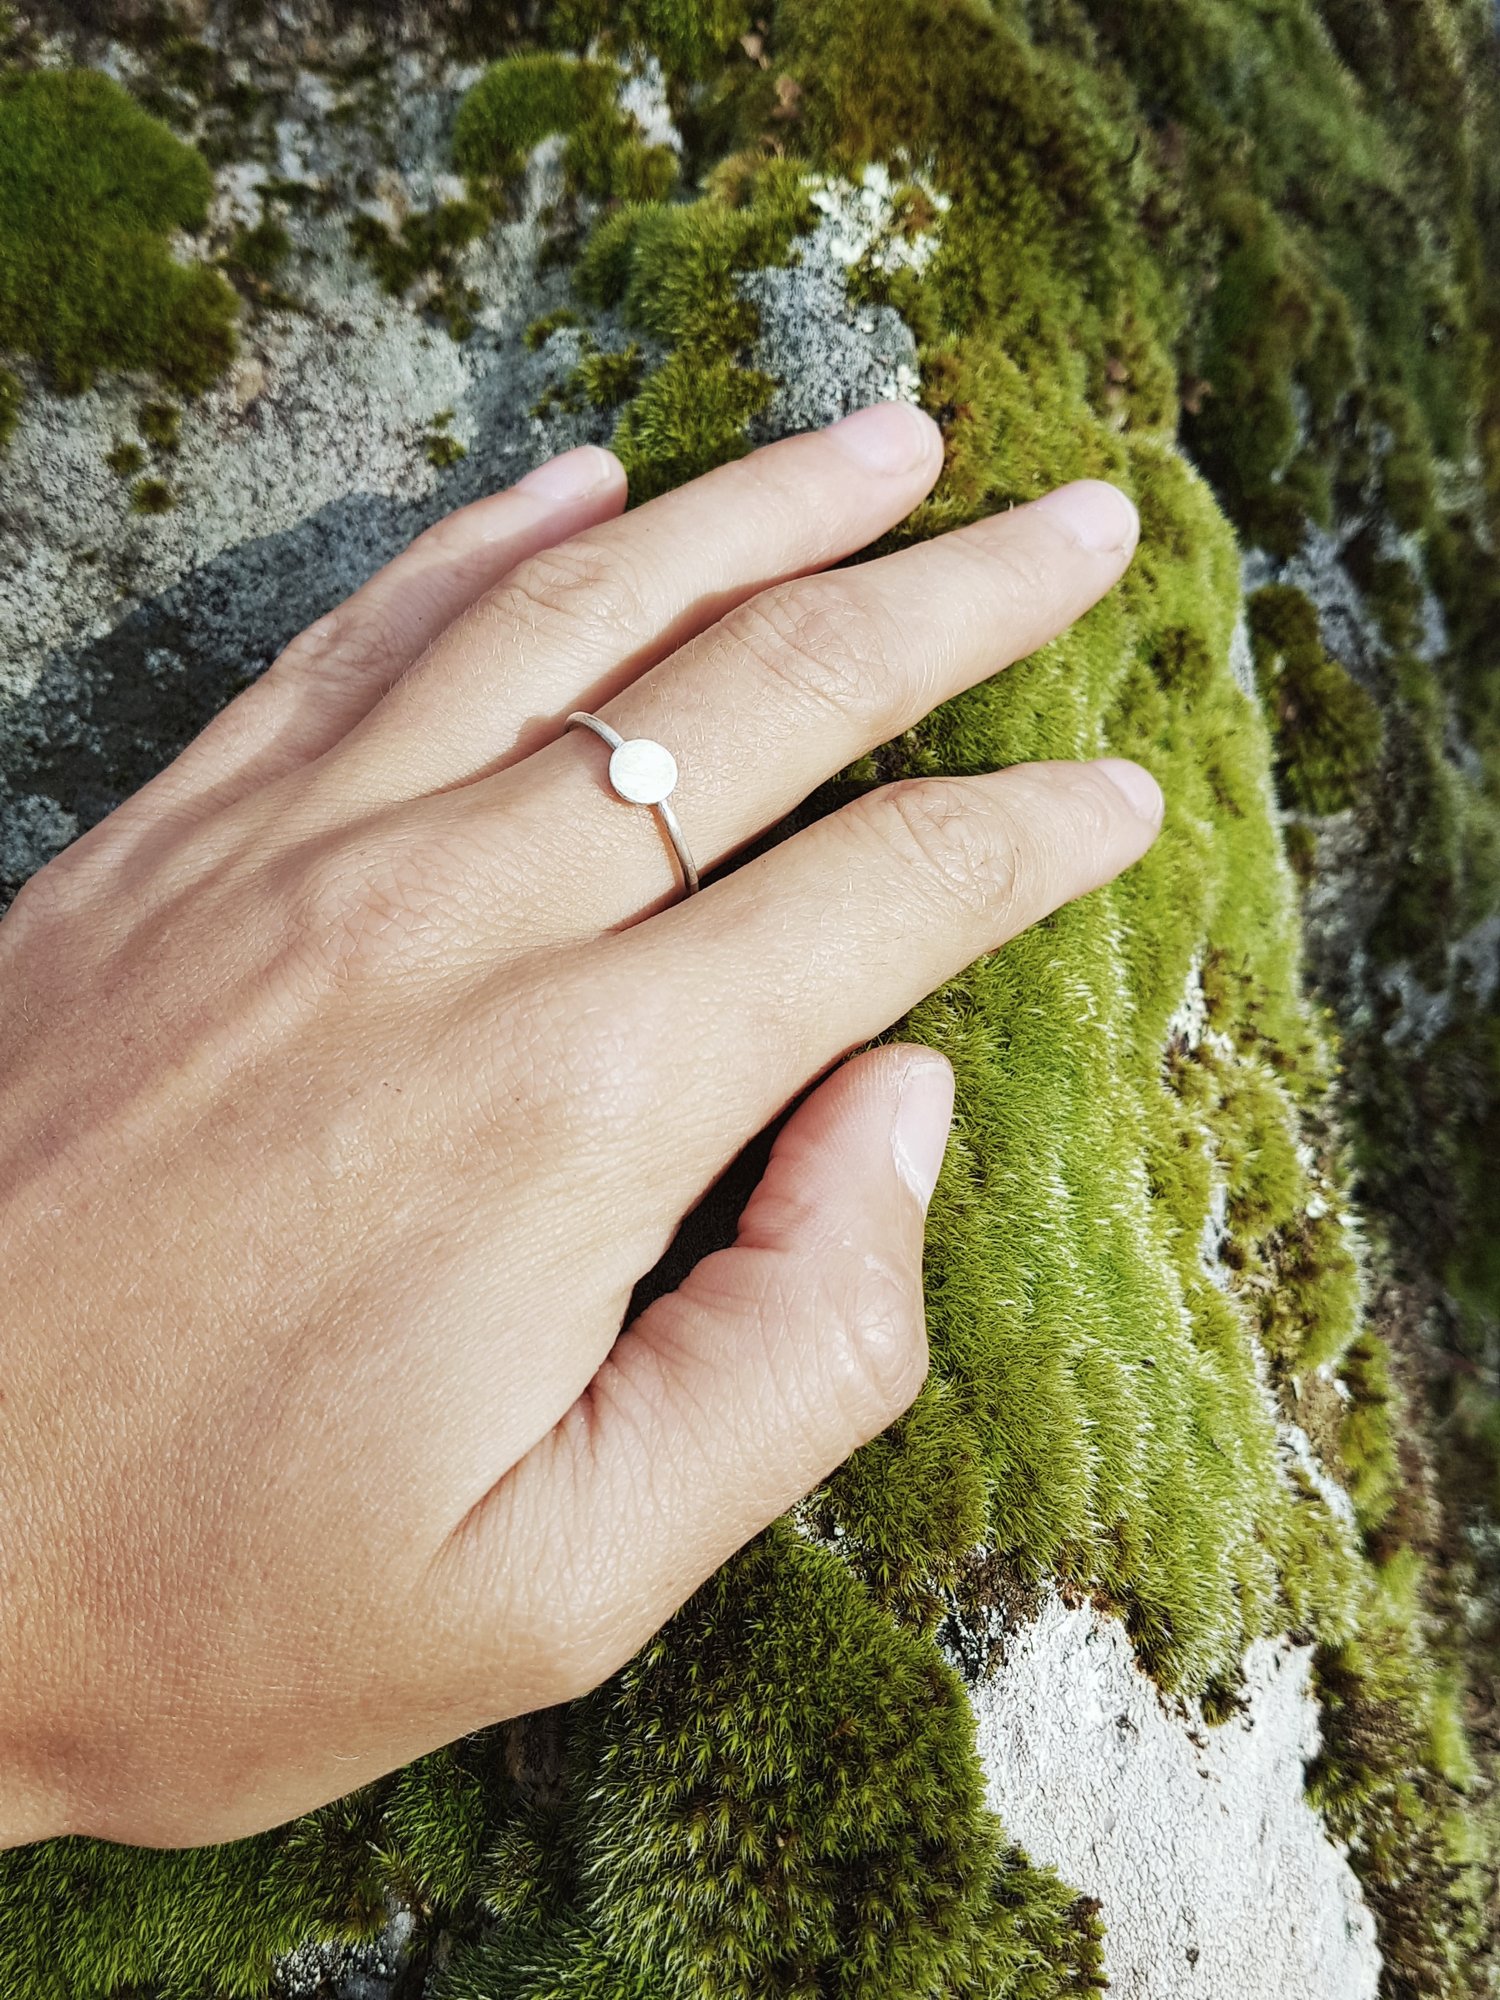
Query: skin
[358, 1066]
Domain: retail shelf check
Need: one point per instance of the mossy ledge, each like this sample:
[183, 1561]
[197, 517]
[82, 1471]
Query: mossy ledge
[1261, 233]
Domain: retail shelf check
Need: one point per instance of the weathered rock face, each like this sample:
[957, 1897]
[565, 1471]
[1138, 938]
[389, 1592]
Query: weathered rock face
[1216, 1873]
[1156, 1384]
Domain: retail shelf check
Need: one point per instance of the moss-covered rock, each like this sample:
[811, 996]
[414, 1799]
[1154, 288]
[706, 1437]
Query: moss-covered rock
[1167, 1376]
[525, 99]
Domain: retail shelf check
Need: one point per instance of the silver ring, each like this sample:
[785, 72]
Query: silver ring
[643, 772]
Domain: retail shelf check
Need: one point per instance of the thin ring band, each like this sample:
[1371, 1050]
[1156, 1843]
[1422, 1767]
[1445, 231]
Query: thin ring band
[643, 777]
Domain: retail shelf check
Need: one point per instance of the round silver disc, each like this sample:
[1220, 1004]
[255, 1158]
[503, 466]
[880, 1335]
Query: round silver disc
[643, 771]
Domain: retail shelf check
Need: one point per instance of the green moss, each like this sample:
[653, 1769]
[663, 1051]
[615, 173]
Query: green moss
[90, 190]
[255, 258]
[420, 258]
[125, 458]
[1424, 809]
[1273, 329]
[601, 379]
[608, 379]
[1311, 1310]
[686, 35]
[160, 424]
[422, 247]
[670, 271]
[523, 99]
[441, 448]
[541, 330]
[1328, 730]
[152, 496]
[789, 1761]
[515, 104]
[1390, 1779]
[1367, 1455]
[10, 405]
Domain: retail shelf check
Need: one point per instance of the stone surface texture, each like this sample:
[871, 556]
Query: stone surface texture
[1217, 1877]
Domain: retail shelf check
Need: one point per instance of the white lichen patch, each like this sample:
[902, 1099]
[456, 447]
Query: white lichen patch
[1216, 1877]
[1302, 1462]
[1242, 656]
[643, 95]
[871, 221]
[831, 353]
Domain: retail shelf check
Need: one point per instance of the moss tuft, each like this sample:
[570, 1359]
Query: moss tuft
[125, 458]
[255, 259]
[91, 189]
[439, 445]
[523, 99]
[152, 496]
[420, 258]
[160, 424]
[789, 1761]
[609, 379]
[685, 35]
[1329, 732]
[541, 330]
[514, 105]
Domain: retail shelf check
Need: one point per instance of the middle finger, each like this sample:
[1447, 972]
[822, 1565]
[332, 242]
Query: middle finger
[576, 622]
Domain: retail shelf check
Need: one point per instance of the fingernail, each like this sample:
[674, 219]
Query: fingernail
[885, 437]
[1137, 787]
[919, 1136]
[572, 474]
[1100, 517]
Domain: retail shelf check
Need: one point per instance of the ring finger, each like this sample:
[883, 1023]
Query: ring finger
[791, 686]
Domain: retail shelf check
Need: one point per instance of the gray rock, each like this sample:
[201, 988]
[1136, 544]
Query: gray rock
[372, 1971]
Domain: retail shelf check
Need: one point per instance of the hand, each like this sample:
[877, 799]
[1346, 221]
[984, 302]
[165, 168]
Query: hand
[358, 1067]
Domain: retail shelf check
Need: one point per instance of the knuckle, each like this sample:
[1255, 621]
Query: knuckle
[578, 581]
[582, 1042]
[1017, 568]
[1006, 563]
[325, 637]
[952, 838]
[323, 644]
[42, 898]
[883, 1354]
[58, 893]
[371, 908]
[346, 645]
[822, 641]
[605, 1081]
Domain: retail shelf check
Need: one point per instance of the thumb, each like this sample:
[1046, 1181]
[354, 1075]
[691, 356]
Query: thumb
[733, 1396]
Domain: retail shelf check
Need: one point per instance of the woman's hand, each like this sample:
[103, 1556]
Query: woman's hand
[357, 1068]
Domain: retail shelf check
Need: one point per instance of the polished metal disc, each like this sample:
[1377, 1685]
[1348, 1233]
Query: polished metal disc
[642, 771]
